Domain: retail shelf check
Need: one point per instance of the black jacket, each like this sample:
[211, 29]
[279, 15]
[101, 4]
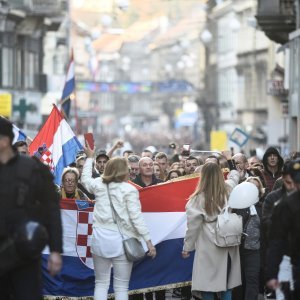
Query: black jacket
[284, 234]
[41, 202]
[138, 181]
[268, 206]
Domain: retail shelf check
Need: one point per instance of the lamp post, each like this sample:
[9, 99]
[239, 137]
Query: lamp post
[207, 100]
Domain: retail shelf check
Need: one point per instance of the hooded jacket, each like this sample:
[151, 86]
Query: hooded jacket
[269, 177]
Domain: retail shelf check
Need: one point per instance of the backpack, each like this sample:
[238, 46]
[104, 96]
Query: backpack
[228, 229]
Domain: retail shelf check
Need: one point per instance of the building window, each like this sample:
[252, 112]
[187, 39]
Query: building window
[261, 78]
[31, 70]
[248, 88]
[7, 70]
[141, 104]
[19, 69]
[107, 102]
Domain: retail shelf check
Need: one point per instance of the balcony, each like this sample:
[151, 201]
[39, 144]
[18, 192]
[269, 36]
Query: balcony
[39, 7]
[277, 18]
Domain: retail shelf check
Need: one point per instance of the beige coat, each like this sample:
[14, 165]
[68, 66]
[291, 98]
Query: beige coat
[210, 262]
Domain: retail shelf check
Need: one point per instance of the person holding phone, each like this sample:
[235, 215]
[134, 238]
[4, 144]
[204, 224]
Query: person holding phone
[186, 150]
[89, 138]
[106, 247]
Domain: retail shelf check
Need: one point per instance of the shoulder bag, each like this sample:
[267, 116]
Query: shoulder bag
[133, 248]
[229, 228]
[226, 229]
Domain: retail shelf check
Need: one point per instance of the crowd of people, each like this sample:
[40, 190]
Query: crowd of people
[270, 227]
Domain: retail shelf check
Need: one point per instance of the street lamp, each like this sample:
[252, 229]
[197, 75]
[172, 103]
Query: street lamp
[206, 37]
[123, 4]
[207, 100]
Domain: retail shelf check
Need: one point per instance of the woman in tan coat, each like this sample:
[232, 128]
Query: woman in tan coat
[215, 269]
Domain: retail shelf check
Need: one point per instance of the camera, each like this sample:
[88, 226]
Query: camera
[186, 149]
[172, 145]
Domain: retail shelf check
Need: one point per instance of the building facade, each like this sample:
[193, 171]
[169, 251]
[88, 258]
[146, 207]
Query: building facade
[22, 29]
[280, 20]
[145, 66]
[242, 59]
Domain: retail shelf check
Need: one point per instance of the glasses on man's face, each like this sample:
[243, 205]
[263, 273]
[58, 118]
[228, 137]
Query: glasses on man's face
[72, 181]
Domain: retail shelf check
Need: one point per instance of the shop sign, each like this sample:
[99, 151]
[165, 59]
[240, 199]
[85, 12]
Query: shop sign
[5, 105]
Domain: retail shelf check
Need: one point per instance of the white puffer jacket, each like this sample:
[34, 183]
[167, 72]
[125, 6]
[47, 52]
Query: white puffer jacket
[125, 199]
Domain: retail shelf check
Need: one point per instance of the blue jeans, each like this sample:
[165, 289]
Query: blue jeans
[210, 295]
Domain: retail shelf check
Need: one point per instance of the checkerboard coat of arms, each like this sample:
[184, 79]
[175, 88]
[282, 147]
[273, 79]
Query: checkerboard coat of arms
[45, 156]
[84, 234]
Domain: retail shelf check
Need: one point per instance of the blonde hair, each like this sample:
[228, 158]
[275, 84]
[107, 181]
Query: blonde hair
[70, 170]
[261, 189]
[116, 170]
[161, 174]
[212, 185]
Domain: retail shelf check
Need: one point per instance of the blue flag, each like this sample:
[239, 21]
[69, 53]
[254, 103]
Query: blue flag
[69, 89]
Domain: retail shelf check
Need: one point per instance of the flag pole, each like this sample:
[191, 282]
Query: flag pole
[75, 101]
[76, 115]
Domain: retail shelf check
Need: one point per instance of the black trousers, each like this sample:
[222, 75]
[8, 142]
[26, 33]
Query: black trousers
[250, 267]
[23, 283]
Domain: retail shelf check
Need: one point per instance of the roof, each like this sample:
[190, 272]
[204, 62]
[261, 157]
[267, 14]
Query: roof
[108, 42]
[188, 28]
[139, 30]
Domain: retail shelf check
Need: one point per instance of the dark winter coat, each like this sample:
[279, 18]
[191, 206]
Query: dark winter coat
[284, 234]
[268, 176]
[41, 203]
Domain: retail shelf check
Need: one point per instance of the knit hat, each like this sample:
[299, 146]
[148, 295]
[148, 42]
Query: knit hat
[6, 128]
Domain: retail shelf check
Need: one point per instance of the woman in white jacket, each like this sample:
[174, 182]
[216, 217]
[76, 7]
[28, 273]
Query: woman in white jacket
[107, 248]
[215, 269]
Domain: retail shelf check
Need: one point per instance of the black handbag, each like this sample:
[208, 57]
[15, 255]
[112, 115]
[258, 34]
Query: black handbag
[133, 248]
[24, 246]
[9, 257]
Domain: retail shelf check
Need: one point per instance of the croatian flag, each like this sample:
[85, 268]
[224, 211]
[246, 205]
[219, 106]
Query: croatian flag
[69, 89]
[56, 144]
[19, 135]
[163, 208]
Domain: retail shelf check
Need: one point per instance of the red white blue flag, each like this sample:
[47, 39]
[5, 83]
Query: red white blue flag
[69, 89]
[56, 144]
[19, 135]
[163, 208]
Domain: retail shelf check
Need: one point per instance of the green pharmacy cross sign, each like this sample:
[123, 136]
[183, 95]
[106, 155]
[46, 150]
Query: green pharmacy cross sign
[23, 108]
